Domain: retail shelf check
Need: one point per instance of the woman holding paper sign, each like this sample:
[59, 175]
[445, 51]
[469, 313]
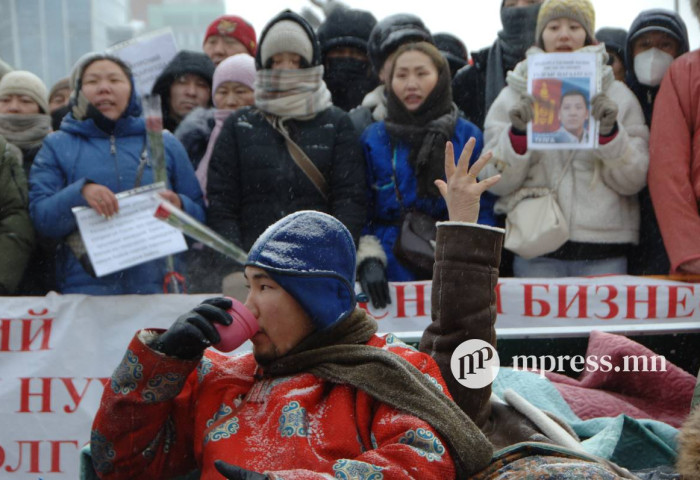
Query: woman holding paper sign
[100, 150]
[595, 189]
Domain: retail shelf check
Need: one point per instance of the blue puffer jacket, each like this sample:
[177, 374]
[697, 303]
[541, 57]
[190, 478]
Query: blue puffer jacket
[79, 152]
[384, 209]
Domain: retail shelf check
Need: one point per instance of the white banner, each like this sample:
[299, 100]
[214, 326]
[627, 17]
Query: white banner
[57, 352]
[147, 55]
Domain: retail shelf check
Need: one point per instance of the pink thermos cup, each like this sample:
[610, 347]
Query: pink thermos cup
[243, 327]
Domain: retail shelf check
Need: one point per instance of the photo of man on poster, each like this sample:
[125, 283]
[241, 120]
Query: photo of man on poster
[573, 118]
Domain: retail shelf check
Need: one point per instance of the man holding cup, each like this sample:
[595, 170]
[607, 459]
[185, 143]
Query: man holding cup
[321, 395]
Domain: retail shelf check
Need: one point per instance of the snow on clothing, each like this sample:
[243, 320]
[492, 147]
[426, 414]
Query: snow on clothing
[598, 193]
[253, 180]
[194, 132]
[190, 413]
[82, 152]
[674, 169]
[650, 257]
[387, 167]
[16, 231]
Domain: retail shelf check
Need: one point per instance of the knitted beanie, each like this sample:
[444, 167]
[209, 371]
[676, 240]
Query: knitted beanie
[62, 84]
[286, 36]
[234, 27]
[312, 256]
[237, 68]
[22, 82]
[580, 10]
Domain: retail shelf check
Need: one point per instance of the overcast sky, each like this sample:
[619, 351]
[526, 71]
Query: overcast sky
[476, 29]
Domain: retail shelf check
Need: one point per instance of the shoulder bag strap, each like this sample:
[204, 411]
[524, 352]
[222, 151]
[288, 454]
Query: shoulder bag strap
[302, 160]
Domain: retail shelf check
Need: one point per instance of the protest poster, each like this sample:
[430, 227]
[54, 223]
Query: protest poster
[563, 85]
[147, 55]
[132, 236]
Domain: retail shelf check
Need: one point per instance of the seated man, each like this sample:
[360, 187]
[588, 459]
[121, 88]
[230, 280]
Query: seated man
[321, 395]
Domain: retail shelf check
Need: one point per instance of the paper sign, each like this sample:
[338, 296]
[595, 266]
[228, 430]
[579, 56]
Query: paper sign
[131, 237]
[563, 85]
[147, 55]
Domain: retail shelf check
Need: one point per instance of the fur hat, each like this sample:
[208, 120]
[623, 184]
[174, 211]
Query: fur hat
[234, 27]
[22, 82]
[580, 10]
[237, 68]
[286, 36]
[312, 256]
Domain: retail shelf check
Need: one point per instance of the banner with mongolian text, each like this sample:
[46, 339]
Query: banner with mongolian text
[57, 352]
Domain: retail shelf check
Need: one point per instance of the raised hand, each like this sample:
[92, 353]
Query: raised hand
[462, 191]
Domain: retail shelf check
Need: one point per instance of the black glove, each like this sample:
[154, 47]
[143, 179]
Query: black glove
[193, 332]
[374, 283]
[233, 472]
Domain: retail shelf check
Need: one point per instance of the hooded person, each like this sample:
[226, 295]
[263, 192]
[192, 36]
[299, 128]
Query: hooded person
[596, 188]
[674, 166]
[406, 153]
[317, 368]
[384, 40]
[454, 51]
[615, 40]
[476, 86]
[183, 85]
[347, 72]
[655, 39]
[100, 151]
[292, 151]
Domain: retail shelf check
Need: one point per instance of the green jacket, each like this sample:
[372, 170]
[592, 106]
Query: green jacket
[16, 230]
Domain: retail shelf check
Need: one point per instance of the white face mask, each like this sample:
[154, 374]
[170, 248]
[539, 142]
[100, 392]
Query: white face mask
[651, 65]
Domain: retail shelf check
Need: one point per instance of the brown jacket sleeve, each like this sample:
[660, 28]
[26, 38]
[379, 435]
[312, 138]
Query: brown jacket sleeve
[465, 277]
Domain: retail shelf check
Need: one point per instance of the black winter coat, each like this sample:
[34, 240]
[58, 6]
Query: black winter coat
[469, 89]
[253, 180]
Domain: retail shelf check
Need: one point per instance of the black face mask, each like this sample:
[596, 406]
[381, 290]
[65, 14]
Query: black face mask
[348, 80]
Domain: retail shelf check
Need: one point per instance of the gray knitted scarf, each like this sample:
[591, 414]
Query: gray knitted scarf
[25, 131]
[339, 355]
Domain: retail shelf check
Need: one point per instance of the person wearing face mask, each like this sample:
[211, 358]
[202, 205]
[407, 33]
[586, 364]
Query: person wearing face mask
[674, 179]
[598, 188]
[655, 39]
[476, 86]
[99, 151]
[405, 155]
[232, 88]
[347, 71]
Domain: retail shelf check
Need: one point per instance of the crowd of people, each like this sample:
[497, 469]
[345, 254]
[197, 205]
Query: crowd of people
[351, 119]
[317, 150]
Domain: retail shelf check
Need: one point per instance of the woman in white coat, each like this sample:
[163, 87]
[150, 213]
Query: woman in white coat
[596, 189]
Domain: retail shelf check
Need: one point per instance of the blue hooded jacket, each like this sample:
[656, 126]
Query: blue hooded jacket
[80, 152]
[388, 168]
